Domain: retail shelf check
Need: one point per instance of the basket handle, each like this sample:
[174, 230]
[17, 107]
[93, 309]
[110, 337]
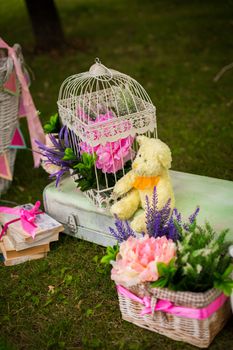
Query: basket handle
[6, 70]
[9, 66]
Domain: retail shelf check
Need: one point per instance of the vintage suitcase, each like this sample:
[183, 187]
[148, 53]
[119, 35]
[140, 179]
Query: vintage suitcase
[78, 214]
[83, 220]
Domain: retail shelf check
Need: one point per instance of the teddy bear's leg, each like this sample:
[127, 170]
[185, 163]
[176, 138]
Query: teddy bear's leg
[138, 224]
[126, 207]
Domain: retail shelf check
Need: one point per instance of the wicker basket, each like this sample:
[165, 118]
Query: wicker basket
[9, 105]
[193, 331]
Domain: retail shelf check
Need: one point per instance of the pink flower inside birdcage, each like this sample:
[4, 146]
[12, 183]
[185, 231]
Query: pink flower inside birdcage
[112, 156]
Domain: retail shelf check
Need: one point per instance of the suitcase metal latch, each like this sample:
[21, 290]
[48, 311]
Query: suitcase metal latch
[72, 223]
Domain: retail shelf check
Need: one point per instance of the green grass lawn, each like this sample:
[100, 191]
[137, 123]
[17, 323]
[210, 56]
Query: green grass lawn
[174, 49]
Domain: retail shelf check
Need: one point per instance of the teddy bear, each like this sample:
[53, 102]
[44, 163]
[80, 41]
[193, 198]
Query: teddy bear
[149, 169]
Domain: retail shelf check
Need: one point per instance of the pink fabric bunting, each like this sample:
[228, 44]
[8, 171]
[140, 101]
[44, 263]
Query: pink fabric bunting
[35, 129]
[5, 171]
[17, 139]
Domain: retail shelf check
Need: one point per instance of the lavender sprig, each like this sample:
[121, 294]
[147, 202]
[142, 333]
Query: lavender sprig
[193, 217]
[158, 222]
[177, 216]
[163, 222]
[59, 175]
[166, 222]
[55, 154]
[191, 220]
[123, 230]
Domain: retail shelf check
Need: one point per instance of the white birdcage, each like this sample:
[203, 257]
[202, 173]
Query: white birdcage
[104, 111]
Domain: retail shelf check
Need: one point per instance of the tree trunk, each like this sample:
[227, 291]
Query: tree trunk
[46, 24]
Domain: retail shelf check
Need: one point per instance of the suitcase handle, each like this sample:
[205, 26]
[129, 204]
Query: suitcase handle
[72, 224]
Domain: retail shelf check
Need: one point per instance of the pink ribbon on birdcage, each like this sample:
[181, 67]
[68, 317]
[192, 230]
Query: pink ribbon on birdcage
[169, 307]
[27, 218]
[35, 129]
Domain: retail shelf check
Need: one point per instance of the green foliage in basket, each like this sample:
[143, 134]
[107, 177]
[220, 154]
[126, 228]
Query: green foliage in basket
[202, 262]
[224, 282]
[53, 126]
[166, 273]
[111, 253]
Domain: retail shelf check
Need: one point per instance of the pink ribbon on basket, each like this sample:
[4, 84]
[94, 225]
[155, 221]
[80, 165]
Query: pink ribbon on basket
[168, 307]
[35, 129]
[27, 218]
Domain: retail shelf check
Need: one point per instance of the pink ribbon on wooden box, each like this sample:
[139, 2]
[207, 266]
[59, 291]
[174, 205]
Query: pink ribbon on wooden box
[27, 218]
[168, 307]
[35, 129]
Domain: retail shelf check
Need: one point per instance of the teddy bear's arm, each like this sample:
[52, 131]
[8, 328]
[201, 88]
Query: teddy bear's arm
[124, 185]
[126, 206]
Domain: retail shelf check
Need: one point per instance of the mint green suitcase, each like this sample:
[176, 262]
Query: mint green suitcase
[83, 220]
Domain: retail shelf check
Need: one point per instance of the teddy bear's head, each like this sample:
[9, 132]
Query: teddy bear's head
[153, 157]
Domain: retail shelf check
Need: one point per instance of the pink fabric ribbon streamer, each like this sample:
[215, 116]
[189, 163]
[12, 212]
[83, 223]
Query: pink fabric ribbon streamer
[27, 218]
[34, 126]
[168, 307]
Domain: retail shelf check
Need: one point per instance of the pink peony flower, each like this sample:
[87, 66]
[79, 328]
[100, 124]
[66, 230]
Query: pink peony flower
[137, 259]
[104, 117]
[112, 156]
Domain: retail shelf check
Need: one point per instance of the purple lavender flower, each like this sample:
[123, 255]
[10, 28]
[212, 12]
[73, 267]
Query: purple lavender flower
[59, 175]
[159, 222]
[123, 230]
[193, 217]
[177, 216]
[55, 154]
[163, 222]
[171, 229]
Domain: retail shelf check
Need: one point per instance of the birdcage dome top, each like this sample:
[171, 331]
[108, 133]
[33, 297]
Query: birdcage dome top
[103, 104]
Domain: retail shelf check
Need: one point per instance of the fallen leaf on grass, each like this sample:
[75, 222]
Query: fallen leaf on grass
[77, 306]
[51, 289]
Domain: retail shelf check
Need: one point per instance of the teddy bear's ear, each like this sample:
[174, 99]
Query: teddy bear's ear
[140, 139]
[165, 158]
